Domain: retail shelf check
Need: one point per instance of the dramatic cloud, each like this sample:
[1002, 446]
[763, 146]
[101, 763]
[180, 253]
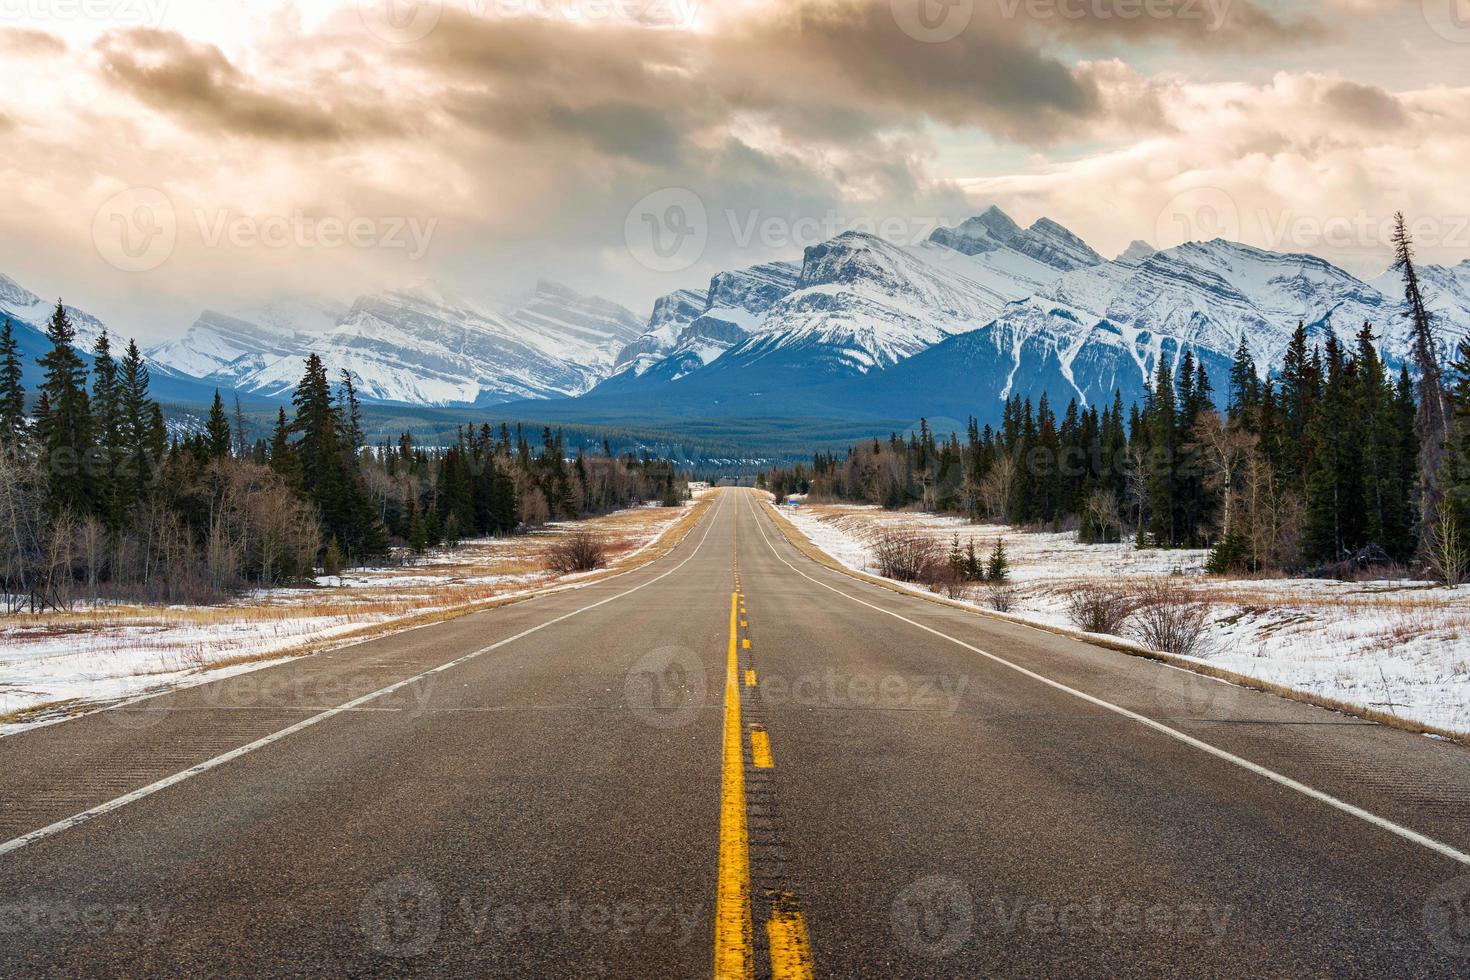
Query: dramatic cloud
[197, 83]
[529, 143]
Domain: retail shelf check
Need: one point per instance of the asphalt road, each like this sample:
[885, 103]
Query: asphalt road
[733, 760]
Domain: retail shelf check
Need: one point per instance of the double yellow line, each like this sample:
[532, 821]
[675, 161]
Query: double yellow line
[786, 933]
[733, 933]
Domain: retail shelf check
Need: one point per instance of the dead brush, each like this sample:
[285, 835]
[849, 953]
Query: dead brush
[1099, 608]
[1168, 617]
[580, 551]
[904, 555]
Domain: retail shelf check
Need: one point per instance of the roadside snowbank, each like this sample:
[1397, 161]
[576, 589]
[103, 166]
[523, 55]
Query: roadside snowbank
[1399, 647]
[104, 652]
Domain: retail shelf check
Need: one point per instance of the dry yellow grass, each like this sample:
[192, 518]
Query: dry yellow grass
[438, 588]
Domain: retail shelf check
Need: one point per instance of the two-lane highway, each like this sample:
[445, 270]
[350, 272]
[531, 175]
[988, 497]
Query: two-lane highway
[732, 761]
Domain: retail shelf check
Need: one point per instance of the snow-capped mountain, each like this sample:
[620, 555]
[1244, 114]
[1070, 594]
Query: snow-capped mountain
[231, 349]
[873, 330]
[1447, 294]
[688, 330]
[21, 304]
[1103, 329]
[420, 345]
[856, 303]
[1045, 241]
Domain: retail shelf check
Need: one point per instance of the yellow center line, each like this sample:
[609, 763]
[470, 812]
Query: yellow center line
[733, 932]
[760, 748]
[750, 678]
[791, 951]
[745, 644]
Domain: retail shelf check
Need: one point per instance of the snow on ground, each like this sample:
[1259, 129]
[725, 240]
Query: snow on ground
[1399, 647]
[102, 652]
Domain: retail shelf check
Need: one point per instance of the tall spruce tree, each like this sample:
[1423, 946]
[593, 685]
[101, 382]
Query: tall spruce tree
[217, 429]
[1433, 415]
[107, 431]
[328, 471]
[1456, 473]
[140, 451]
[12, 390]
[1161, 425]
[64, 430]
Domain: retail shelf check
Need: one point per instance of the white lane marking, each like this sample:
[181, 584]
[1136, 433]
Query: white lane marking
[1174, 733]
[104, 808]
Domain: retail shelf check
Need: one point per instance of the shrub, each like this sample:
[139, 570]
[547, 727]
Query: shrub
[905, 555]
[1171, 619]
[580, 551]
[1001, 597]
[1099, 608]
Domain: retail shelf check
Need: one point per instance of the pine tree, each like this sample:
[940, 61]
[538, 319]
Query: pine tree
[1163, 444]
[1433, 416]
[1245, 385]
[64, 431]
[135, 411]
[107, 427]
[1456, 473]
[328, 469]
[353, 410]
[12, 390]
[998, 568]
[217, 429]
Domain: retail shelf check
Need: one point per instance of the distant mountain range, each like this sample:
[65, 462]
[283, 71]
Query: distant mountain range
[860, 329]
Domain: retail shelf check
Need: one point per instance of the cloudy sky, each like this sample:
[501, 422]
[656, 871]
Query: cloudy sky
[161, 156]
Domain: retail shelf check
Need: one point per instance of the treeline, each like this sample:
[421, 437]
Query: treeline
[96, 494]
[1321, 464]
